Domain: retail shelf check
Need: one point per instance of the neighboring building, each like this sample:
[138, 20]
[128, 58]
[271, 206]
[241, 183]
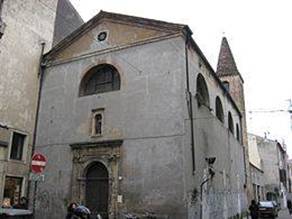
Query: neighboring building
[257, 180]
[130, 112]
[256, 170]
[289, 179]
[24, 27]
[289, 176]
[274, 164]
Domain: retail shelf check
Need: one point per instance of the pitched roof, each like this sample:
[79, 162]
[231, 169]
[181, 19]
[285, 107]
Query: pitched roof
[67, 20]
[226, 63]
[160, 25]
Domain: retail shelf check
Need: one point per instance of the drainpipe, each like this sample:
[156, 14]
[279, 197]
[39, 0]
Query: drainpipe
[2, 24]
[40, 76]
[190, 105]
[201, 196]
[245, 149]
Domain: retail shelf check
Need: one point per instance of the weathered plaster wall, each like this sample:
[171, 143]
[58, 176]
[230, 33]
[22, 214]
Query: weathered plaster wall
[28, 23]
[273, 159]
[236, 89]
[146, 113]
[119, 34]
[19, 59]
[257, 180]
[269, 154]
[254, 156]
[150, 114]
[224, 196]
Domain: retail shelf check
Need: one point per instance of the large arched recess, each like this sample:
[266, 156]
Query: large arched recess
[202, 92]
[219, 109]
[100, 79]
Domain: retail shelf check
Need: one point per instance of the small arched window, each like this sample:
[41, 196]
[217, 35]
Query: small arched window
[226, 85]
[219, 110]
[202, 91]
[237, 132]
[230, 123]
[100, 79]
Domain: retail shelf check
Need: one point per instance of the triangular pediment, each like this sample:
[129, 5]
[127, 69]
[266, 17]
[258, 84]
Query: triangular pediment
[118, 30]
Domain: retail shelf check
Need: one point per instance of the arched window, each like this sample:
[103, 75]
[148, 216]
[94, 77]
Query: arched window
[202, 91]
[100, 79]
[230, 123]
[237, 132]
[219, 110]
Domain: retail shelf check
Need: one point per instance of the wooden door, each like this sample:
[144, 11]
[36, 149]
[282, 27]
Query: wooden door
[97, 189]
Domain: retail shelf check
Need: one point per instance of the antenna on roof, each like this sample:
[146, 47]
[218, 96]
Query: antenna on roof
[266, 136]
[290, 111]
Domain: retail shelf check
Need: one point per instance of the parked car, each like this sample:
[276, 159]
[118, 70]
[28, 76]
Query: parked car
[267, 209]
[10, 213]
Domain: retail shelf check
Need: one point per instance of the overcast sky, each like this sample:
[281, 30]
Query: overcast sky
[259, 33]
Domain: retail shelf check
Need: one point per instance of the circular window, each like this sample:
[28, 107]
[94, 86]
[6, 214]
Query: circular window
[102, 36]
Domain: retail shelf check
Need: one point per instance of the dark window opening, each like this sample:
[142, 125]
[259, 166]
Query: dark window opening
[100, 79]
[219, 110]
[237, 133]
[17, 146]
[12, 190]
[2, 24]
[230, 123]
[226, 85]
[202, 92]
[283, 176]
[102, 36]
[98, 124]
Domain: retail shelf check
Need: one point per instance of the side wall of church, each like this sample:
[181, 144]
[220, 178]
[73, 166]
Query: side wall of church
[223, 196]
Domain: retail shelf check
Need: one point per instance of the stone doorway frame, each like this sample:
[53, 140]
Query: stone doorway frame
[86, 153]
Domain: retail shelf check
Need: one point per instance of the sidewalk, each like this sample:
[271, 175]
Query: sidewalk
[284, 214]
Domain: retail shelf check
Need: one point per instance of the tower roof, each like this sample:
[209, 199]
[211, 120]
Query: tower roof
[67, 20]
[226, 64]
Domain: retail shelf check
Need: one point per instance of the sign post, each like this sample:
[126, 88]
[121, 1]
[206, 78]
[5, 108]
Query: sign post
[38, 164]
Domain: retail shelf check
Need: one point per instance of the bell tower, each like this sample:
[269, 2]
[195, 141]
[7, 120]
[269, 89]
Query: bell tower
[233, 82]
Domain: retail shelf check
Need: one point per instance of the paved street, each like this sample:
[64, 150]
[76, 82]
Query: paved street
[284, 214]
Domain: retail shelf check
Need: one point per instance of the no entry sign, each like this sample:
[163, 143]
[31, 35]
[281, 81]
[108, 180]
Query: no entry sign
[38, 163]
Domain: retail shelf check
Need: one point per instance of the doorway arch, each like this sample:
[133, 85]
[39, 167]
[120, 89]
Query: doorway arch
[97, 189]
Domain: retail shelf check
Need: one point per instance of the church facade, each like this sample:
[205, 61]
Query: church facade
[134, 120]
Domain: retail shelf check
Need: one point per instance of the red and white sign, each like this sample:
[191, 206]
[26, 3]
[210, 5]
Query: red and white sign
[38, 163]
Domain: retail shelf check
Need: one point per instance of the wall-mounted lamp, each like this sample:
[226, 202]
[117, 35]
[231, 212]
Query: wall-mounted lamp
[210, 160]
